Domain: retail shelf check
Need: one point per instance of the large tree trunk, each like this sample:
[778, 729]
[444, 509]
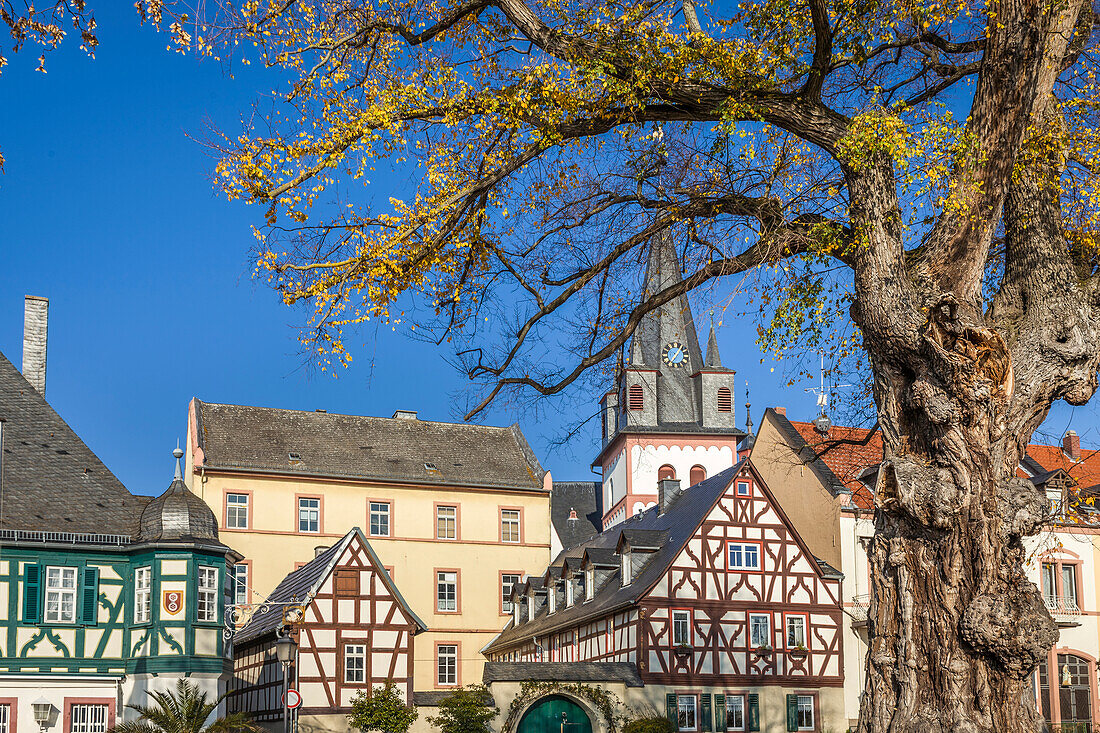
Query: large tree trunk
[955, 626]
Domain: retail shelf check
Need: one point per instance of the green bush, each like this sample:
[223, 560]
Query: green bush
[382, 710]
[468, 709]
[655, 724]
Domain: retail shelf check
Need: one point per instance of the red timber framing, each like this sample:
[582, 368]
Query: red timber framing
[789, 584]
[357, 633]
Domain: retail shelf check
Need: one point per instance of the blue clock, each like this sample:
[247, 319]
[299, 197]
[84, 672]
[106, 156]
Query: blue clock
[675, 355]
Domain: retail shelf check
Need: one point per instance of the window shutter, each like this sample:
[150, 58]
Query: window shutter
[671, 710]
[792, 712]
[754, 711]
[725, 400]
[32, 593]
[704, 710]
[637, 402]
[89, 597]
[719, 713]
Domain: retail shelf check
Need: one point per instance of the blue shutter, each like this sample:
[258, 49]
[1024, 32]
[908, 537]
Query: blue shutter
[754, 711]
[89, 597]
[704, 712]
[672, 710]
[792, 712]
[719, 713]
[32, 593]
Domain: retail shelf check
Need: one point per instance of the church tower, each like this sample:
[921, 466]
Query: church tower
[671, 414]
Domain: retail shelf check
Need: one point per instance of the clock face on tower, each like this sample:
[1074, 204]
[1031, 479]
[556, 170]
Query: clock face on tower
[675, 355]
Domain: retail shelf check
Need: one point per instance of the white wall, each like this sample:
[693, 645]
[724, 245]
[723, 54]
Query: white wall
[646, 460]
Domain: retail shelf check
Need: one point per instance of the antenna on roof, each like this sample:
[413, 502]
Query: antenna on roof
[822, 423]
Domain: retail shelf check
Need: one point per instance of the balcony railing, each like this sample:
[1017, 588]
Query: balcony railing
[859, 608]
[65, 538]
[1062, 605]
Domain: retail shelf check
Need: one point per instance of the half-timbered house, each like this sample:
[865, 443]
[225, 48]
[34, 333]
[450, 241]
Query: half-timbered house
[710, 598]
[354, 632]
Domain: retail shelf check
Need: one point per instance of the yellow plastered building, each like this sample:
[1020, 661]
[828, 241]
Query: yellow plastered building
[455, 512]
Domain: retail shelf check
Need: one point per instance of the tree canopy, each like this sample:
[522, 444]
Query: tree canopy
[552, 140]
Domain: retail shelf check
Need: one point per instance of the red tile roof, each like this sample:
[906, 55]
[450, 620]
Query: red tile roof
[850, 452]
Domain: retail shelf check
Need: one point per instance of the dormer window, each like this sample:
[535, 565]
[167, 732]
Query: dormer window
[531, 607]
[568, 590]
[624, 566]
[551, 598]
[589, 583]
[516, 611]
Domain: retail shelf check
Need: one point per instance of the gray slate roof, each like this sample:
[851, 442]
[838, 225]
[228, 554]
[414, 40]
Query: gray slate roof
[178, 514]
[298, 587]
[679, 521]
[52, 481]
[562, 672]
[394, 449]
[584, 498]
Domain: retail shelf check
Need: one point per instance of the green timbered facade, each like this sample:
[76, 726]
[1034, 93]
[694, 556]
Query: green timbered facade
[104, 595]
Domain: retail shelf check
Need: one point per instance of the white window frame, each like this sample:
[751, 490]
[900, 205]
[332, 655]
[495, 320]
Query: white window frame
[681, 616]
[309, 515]
[206, 607]
[551, 598]
[747, 486]
[802, 623]
[505, 599]
[355, 664]
[530, 607]
[449, 529]
[767, 630]
[569, 590]
[682, 710]
[742, 560]
[143, 595]
[737, 709]
[624, 567]
[589, 583]
[446, 601]
[60, 598]
[5, 717]
[809, 701]
[81, 718]
[446, 676]
[235, 510]
[511, 526]
[240, 583]
[381, 509]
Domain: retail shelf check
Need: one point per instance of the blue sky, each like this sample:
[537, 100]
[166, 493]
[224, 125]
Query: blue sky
[107, 208]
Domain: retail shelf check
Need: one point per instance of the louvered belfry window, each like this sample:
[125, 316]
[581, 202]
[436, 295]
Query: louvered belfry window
[634, 397]
[725, 400]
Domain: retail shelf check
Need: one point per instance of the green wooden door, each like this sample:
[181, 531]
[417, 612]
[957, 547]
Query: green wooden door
[555, 714]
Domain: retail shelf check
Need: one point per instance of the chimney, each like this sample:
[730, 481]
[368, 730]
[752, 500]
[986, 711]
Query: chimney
[1071, 445]
[35, 312]
[781, 411]
[319, 550]
[667, 491]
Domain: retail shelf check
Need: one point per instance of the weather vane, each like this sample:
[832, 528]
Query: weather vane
[822, 423]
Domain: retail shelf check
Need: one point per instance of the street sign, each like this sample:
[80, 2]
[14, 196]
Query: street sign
[292, 699]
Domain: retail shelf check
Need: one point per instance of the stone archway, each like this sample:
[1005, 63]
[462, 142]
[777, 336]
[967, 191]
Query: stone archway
[598, 705]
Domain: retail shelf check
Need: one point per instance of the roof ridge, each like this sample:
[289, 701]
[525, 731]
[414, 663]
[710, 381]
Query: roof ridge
[418, 420]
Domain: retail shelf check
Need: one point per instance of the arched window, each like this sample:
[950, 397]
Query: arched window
[666, 471]
[1068, 688]
[725, 400]
[634, 399]
[698, 473]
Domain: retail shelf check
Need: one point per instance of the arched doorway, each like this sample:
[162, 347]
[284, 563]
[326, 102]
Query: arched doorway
[555, 714]
[1072, 690]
